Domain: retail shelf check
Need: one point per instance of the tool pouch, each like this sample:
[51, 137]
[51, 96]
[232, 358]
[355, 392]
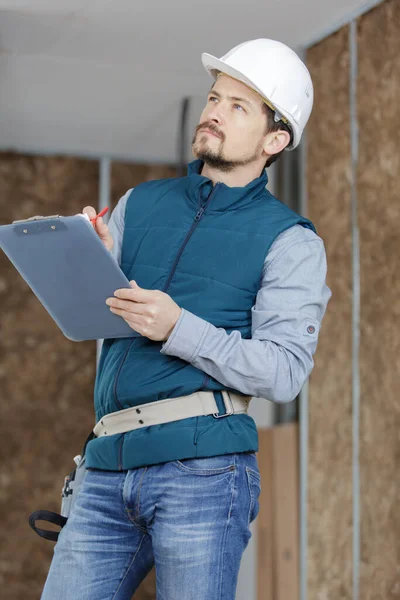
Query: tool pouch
[69, 492]
[72, 483]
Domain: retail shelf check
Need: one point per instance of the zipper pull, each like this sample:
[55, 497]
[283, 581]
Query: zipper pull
[199, 214]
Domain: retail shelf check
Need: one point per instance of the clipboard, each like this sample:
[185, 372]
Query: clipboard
[70, 271]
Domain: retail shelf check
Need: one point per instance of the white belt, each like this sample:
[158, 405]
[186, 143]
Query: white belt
[171, 409]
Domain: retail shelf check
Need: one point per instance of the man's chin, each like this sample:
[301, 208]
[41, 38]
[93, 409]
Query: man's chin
[217, 162]
[204, 156]
[201, 152]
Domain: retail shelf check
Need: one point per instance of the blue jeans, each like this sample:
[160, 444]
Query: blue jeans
[190, 518]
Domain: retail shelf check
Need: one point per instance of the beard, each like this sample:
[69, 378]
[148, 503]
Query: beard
[216, 158]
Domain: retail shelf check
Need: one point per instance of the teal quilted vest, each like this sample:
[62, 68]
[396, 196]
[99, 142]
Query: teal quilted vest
[205, 246]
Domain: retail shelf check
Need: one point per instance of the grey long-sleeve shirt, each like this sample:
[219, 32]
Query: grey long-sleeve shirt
[286, 319]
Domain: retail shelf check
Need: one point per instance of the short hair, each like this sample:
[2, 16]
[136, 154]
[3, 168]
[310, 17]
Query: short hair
[272, 125]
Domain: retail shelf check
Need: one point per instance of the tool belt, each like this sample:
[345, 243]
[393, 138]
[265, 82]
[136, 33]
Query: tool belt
[197, 404]
[154, 413]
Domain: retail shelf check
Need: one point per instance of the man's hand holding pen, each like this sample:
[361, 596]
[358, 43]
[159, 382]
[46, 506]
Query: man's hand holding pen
[100, 227]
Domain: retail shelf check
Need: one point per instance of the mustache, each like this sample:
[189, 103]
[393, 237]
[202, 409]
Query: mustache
[211, 127]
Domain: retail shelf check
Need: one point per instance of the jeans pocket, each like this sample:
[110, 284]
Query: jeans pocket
[254, 487]
[208, 465]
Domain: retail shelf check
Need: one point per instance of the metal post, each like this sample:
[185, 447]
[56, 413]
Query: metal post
[289, 193]
[303, 413]
[104, 200]
[182, 137]
[355, 308]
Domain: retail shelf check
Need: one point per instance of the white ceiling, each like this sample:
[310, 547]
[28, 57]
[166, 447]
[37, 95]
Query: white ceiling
[107, 77]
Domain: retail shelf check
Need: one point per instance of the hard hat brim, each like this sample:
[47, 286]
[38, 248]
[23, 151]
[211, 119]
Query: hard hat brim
[212, 64]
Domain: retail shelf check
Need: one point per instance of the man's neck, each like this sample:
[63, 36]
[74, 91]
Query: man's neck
[239, 177]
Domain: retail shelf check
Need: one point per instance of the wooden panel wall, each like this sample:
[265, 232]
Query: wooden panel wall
[46, 381]
[330, 425]
[377, 186]
[379, 221]
[277, 521]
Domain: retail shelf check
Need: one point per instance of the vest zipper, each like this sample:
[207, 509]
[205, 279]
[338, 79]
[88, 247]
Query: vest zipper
[199, 214]
[197, 219]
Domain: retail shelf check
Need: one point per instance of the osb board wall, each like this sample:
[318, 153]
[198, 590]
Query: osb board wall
[45, 380]
[379, 219]
[330, 425]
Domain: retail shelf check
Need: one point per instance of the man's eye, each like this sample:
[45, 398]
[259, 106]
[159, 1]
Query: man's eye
[211, 98]
[238, 106]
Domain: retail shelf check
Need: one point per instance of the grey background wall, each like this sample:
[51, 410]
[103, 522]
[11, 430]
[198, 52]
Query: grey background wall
[332, 486]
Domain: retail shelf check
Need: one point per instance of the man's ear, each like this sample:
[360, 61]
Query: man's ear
[275, 142]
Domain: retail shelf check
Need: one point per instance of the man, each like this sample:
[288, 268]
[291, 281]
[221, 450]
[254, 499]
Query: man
[227, 295]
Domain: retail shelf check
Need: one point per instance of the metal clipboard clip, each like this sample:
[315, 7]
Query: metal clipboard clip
[36, 218]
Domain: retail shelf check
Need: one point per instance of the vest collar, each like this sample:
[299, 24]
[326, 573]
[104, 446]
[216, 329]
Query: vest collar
[199, 188]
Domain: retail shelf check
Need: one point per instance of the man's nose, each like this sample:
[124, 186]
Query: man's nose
[215, 115]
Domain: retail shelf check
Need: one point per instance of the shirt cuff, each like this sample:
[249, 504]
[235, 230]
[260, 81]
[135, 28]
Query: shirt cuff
[186, 337]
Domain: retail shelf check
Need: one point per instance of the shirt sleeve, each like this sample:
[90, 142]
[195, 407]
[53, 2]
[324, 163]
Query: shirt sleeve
[116, 225]
[286, 320]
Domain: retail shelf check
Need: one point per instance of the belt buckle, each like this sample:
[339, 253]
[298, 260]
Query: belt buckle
[227, 414]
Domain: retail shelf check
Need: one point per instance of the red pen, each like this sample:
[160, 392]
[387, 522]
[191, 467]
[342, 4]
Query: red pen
[101, 214]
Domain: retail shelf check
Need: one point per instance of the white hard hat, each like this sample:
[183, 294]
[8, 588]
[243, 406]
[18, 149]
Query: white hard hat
[274, 71]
